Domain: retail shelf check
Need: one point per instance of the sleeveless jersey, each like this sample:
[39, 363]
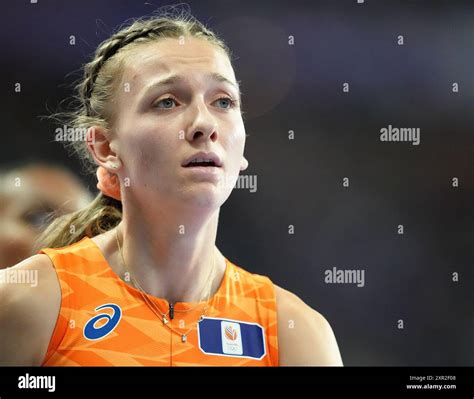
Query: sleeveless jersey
[103, 321]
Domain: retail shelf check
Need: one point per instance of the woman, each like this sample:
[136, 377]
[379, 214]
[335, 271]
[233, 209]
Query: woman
[136, 278]
[24, 212]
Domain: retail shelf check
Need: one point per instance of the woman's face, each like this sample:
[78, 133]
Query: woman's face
[176, 99]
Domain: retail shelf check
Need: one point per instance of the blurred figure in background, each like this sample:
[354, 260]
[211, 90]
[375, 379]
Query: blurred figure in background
[29, 196]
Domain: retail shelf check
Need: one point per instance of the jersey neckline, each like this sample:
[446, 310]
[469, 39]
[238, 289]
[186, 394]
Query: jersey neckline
[161, 302]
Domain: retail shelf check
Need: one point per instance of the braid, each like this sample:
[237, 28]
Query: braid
[122, 38]
[104, 52]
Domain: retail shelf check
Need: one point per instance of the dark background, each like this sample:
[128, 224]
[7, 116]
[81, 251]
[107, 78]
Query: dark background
[299, 88]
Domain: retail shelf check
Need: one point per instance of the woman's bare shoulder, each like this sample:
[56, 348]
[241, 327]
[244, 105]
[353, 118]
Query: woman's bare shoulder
[305, 337]
[30, 295]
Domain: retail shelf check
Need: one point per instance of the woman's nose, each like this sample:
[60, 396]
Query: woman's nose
[203, 125]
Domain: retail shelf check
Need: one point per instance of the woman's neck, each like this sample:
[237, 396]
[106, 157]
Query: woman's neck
[171, 254]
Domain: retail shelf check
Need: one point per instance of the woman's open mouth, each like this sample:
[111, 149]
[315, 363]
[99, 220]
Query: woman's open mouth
[203, 160]
[201, 163]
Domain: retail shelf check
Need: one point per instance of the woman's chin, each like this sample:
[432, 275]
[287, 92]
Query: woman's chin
[202, 197]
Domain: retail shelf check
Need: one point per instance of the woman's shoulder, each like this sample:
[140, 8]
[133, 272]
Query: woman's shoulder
[241, 273]
[305, 337]
[30, 295]
[32, 278]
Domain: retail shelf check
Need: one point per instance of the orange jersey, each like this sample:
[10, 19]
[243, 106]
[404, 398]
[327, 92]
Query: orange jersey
[104, 321]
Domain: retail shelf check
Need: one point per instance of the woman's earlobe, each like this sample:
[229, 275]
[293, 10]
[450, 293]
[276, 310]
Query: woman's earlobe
[115, 164]
[244, 164]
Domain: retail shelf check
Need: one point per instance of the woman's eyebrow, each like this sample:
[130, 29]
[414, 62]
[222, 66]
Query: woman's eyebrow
[175, 79]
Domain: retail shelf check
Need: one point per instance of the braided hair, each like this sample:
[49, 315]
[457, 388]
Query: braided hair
[145, 30]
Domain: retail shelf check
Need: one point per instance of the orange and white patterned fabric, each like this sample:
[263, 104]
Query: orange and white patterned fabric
[104, 321]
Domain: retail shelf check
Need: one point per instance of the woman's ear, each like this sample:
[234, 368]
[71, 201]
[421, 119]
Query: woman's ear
[98, 145]
[244, 164]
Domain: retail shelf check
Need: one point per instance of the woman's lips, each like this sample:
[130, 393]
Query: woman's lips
[205, 171]
[204, 156]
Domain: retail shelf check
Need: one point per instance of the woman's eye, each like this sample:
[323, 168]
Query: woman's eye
[167, 103]
[38, 217]
[227, 102]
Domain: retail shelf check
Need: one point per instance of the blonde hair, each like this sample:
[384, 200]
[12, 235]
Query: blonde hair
[94, 92]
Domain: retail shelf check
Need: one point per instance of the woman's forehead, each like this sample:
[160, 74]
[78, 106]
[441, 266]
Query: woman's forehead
[173, 57]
